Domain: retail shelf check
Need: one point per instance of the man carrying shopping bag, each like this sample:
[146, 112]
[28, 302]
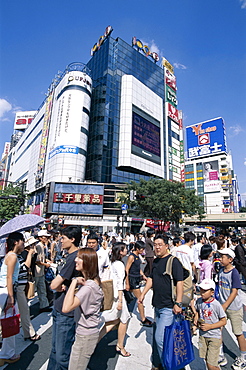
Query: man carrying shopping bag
[165, 308]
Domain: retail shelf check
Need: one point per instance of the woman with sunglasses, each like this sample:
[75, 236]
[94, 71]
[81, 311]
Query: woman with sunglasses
[87, 302]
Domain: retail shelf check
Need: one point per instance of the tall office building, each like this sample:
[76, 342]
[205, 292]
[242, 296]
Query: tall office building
[132, 131]
[209, 169]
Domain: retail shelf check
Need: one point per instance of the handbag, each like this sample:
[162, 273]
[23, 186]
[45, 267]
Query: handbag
[129, 296]
[49, 274]
[10, 325]
[30, 289]
[108, 294]
[177, 347]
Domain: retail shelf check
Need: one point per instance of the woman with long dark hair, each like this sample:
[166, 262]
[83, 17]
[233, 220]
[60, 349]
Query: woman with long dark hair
[87, 301]
[119, 313]
[8, 285]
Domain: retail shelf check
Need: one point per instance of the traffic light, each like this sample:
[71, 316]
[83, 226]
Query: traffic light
[140, 197]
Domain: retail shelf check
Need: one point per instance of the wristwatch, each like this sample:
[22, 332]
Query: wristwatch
[179, 304]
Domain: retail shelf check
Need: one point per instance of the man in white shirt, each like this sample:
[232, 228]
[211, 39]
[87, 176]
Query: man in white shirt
[185, 253]
[197, 249]
[102, 254]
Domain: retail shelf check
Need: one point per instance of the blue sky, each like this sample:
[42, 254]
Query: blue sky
[205, 40]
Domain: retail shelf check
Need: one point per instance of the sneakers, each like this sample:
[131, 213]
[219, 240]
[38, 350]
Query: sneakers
[239, 364]
[222, 361]
[147, 323]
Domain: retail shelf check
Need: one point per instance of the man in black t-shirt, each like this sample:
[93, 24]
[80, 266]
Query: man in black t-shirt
[162, 301]
[63, 329]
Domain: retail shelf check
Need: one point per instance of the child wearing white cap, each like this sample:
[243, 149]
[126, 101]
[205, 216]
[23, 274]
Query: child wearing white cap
[210, 317]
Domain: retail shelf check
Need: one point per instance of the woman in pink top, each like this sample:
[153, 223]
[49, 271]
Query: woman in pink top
[205, 265]
[87, 302]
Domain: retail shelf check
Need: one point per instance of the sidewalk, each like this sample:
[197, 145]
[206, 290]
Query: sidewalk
[139, 340]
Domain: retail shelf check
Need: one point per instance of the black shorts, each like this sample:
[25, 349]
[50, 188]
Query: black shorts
[134, 282]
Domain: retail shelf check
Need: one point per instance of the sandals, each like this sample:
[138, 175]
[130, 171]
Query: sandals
[122, 351]
[147, 323]
[33, 338]
[9, 360]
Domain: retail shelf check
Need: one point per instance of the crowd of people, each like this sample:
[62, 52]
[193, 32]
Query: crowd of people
[79, 262]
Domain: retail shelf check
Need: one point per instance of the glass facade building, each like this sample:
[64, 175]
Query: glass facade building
[114, 59]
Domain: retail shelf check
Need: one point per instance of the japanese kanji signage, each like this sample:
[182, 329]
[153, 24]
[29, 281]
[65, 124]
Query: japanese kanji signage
[206, 138]
[78, 198]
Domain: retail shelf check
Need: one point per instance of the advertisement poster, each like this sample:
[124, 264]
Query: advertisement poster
[211, 176]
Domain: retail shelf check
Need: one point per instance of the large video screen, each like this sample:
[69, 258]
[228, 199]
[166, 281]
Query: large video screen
[145, 136]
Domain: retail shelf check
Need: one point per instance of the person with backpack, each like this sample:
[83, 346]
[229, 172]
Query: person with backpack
[165, 307]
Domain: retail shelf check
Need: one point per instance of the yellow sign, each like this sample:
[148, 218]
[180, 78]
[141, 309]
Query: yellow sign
[224, 170]
[168, 65]
[223, 178]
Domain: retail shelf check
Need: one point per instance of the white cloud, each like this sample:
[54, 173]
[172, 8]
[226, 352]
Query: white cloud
[235, 130]
[243, 4]
[5, 107]
[152, 46]
[179, 66]
[244, 162]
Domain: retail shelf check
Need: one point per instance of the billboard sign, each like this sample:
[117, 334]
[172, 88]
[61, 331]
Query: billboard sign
[6, 149]
[23, 119]
[168, 65]
[73, 198]
[171, 96]
[174, 114]
[206, 138]
[145, 136]
[101, 40]
[170, 79]
[145, 49]
[211, 176]
[44, 139]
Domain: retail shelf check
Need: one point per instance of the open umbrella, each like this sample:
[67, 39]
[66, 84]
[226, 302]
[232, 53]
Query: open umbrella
[20, 223]
[111, 233]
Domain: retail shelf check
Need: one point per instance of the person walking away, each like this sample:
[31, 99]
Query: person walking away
[165, 308]
[86, 303]
[25, 260]
[185, 253]
[229, 286]
[239, 260]
[63, 328]
[8, 284]
[210, 317]
[119, 313]
[149, 252]
[41, 263]
[205, 265]
[134, 274]
[196, 252]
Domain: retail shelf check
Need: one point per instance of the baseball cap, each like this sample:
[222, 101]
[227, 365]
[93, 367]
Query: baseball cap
[43, 233]
[207, 284]
[30, 241]
[228, 251]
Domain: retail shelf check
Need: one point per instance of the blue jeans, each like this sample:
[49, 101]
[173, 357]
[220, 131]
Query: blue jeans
[63, 334]
[164, 317]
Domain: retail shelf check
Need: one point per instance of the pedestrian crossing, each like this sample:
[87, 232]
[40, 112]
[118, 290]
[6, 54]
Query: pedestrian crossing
[139, 342]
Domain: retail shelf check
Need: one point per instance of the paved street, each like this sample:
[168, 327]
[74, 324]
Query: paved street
[34, 356]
